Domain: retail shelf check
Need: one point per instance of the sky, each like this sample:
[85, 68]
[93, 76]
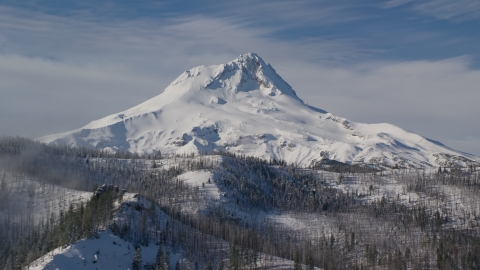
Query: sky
[412, 63]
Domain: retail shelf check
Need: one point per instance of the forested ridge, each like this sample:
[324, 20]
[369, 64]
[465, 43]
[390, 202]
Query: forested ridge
[353, 218]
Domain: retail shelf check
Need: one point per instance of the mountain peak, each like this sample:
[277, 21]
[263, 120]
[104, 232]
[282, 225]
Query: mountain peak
[250, 56]
[253, 67]
[246, 73]
[250, 60]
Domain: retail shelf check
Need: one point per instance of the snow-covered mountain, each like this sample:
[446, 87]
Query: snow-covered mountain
[245, 107]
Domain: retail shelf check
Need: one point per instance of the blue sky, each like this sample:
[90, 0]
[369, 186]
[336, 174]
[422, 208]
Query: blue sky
[415, 64]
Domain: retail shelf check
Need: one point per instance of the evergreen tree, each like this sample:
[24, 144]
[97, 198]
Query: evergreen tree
[208, 266]
[332, 240]
[296, 261]
[167, 259]
[219, 264]
[137, 260]
[234, 258]
[3, 182]
[160, 263]
[310, 265]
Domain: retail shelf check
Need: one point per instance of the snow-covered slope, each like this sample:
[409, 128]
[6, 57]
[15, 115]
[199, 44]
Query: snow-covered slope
[106, 251]
[245, 107]
[109, 251]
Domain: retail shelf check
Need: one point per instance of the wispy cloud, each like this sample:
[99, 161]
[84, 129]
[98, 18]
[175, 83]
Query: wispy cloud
[396, 3]
[458, 10]
[145, 43]
[291, 14]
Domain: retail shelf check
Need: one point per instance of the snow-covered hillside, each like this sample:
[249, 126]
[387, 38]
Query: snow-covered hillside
[109, 251]
[106, 251]
[245, 107]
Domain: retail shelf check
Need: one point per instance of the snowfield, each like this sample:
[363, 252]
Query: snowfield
[245, 107]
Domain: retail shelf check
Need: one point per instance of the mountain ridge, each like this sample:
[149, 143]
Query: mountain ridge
[245, 107]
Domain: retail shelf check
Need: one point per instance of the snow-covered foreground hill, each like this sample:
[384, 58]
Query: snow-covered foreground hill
[109, 251]
[106, 251]
[245, 107]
